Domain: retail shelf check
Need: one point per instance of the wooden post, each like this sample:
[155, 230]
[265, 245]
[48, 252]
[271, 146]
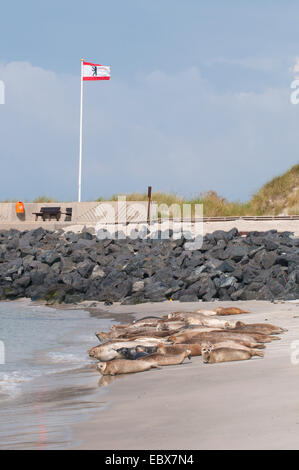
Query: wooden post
[149, 196]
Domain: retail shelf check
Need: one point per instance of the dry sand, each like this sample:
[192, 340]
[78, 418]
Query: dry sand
[208, 227]
[239, 405]
[251, 225]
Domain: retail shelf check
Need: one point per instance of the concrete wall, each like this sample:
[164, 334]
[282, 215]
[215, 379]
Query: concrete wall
[83, 212]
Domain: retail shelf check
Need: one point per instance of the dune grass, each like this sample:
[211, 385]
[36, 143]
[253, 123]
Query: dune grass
[213, 204]
[280, 196]
[39, 199]
[9, 200]
[44, 199]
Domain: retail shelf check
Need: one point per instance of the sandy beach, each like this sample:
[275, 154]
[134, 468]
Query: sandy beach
[242, 405]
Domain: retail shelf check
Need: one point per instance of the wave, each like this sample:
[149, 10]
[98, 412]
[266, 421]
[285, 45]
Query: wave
[10, 382]
[72, 358]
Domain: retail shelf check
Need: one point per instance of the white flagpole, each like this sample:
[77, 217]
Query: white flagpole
[81, 129]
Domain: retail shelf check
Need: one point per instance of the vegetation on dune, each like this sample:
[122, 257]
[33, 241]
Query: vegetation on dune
[44, 199]
[280, 196]
[9, 200]
[40, 199]
[217, 206]
[213, 204]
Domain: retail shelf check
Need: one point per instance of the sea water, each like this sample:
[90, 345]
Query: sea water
[47, 381]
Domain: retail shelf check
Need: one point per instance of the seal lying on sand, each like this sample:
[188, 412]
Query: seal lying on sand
[263, 328]
[146, 340]
[108, 351]
[166, 359]
[152, 334]
[183, 316]
[195, 349]
[145, 320]
[130, 333]
[228, 344]
[223, 334]
[124, 366]
[171, 325]
[215, 340]
[230, 311]
[184, 336]
[206, 313]
[210, 322]
[136, 352]
[213, 356]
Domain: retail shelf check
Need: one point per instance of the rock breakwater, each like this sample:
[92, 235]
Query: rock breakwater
[71, 267]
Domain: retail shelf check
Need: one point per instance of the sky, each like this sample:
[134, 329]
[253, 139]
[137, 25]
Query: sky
[199, 96]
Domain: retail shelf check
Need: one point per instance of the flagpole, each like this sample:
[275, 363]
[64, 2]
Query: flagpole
[81, 130]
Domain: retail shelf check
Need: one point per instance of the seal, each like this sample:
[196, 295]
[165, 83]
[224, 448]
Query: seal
[104, 335]
[229, 344]
[152, 340]
[135, 353]
[193, 330]
[178, 315]
[210, 322]
[230, 311]
[195, 349]
[223, 335]
[184, 336]
[119, 327]
[212, 356]
[264, 328]
[147, 333]
[130, 332]
[108, 351]
[167, 359]
[206, 313]
[124, 366]
[146, 319]
[183, 316]
[170, 326]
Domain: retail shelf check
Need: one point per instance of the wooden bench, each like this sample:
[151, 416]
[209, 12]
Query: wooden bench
[48, 212]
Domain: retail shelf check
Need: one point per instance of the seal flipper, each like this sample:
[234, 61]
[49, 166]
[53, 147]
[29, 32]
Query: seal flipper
[258, 353]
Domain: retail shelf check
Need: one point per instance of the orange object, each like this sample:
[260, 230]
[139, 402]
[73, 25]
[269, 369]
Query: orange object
[20, 207]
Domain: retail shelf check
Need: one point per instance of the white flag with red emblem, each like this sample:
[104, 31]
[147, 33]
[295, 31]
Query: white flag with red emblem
[89, 71]
[95, 71]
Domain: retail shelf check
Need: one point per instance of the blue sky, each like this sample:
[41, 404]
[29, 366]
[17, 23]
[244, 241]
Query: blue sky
[199, 97]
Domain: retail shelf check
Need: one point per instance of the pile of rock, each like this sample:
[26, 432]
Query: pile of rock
[71, 267]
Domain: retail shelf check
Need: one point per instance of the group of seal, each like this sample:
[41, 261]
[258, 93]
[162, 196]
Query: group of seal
[154, 342]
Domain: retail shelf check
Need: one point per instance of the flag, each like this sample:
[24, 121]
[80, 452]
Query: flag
[95, 71]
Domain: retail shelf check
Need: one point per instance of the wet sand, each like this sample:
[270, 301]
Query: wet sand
[239, 405]
[47, 382]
